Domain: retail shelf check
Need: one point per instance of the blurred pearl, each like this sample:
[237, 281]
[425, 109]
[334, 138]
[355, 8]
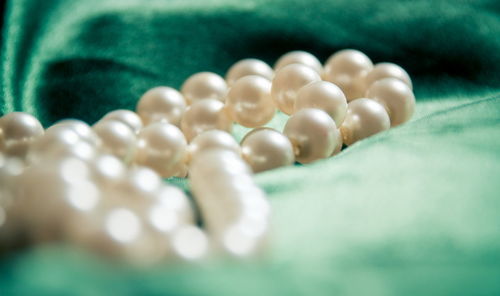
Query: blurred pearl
[287, 82]
[190, 243]
[205, 115]
[396, 97]
[387, 70]
[365, 117]
[325, 96]
[213, 139]
[161, 146]
[170, 209]
[161, 104]
[108, 170]
[19, 130]
[312, 133]
[347, 69]
[117, 139]
[140, 182]
[299, 57]
[130, 118]
[249, 101]
[248, 67]
[204, 85]
[83, 130]
[266, 149]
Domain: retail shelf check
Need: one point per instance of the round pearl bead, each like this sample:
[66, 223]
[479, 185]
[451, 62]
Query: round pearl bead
[387, 70]
[19, 130]
[347, 69]
[128, 117]
[312, 134]
[117, 139]
[299, 57]
[396, 97]
[287, 82]
[248, 67]
[83, 130]
[249, 101]
[265, 149]
[204, 85]
[161, 104]
[205, 115]
[365, 117]
[161, 146]
[325, 96]
[213, 139]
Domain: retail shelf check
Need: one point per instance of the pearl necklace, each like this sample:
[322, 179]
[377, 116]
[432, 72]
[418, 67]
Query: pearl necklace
[100, 187]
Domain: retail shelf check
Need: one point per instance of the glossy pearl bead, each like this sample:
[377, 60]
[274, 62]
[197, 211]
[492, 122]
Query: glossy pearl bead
[204, 85]
[248, 67]
[213, 139]
[161, 146]
[205, 115]
[325, 96]
[117, 139]
[312, 134]
[365, 118]
[19, 130]
[265, 149]
[287, 82]
[130, 118]
[347, 69]
[161, 104]
[249, 101]
[83, 130]
[387, 70]
[299, 57]
[396, 97]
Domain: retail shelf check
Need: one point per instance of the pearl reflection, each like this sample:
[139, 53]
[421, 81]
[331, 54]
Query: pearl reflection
[163, 218]
[190, 242]
[237, 242]
[74, 170]
[83, 195]
[123, 225]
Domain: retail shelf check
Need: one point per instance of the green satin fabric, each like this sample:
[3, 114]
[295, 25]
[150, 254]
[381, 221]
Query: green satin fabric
[412, 211]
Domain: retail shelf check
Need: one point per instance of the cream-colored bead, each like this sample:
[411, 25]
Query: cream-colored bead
[396, 97]
[117, 138]
[161, 146]
[83, 130]
[213, 139]
[204, 85]
[248, 67]
[387, 70]
[205, 115]
[323, 95]
[312, 134]
[287, 82]
[365, 118]
[340, 141]
[128, 117]
[19, 130]
[265, 149]
[347, 69]
[249, 101]
[299, 57]
[161, 104]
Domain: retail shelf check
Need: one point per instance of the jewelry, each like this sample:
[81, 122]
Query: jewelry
[100, 187]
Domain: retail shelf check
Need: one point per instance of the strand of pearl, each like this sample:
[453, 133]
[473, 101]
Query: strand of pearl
[100, 187]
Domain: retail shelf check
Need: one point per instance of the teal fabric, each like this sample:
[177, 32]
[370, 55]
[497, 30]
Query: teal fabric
[411, 211]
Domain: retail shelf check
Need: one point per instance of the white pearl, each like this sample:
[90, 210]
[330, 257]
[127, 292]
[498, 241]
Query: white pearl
[396, 97]
[265, 149]
[312, 133]
[365, 117]
[83, 130]
[387, 70]
[190, 243]
[213, 139]
[299, 57]
[249, 101]
[205, 115]
[161, 104]
[287, 82]
[347, 69]
[170, 210]
[19, 130]
[128, 117]
[117, 139]
[108, 170]
[161, 146]
[325, 96]
[248, 67]
[204, 85]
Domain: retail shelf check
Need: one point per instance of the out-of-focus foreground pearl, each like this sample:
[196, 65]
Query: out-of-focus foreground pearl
[248, 67]
[299, 57]
[365, 118]
[204, 85]
[18, 131]
[117, 138]
[205, 115]
[161, 104]
[130, 118]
